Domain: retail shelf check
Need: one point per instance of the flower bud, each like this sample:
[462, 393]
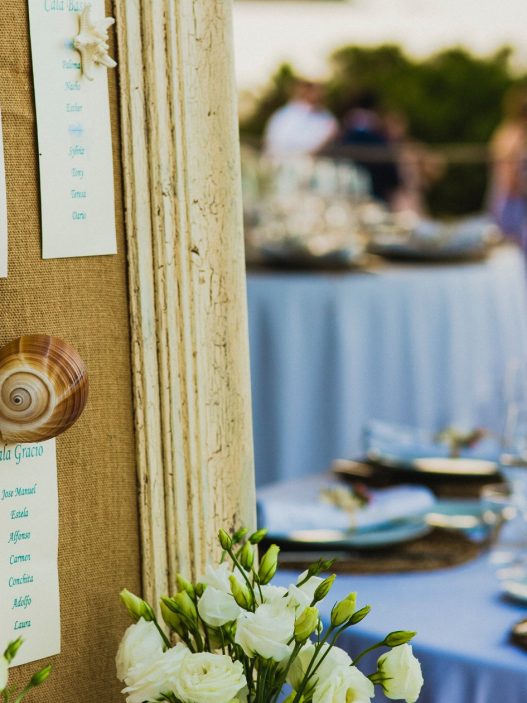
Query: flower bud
[239, 535]
[360, 615]
[12, 648]
[343, 610]
[324, 588]
[318, 567]
[306, 624]
[257, 536]
[269, 564]
[199, 589]
[184, 585]
[171, 618]
[184, 606]
[246, 557]
[241, 593]
[40, 676]
[394, 639]
[225, 540]
[137, 607]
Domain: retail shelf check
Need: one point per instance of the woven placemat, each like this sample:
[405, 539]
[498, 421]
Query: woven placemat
[439, 549]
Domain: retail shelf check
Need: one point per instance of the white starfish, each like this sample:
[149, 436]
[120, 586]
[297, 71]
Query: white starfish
[92, 42]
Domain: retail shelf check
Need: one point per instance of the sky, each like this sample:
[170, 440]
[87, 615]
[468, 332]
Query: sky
[268, 32]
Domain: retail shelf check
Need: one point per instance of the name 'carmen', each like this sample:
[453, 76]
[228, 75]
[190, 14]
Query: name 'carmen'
[18, 558]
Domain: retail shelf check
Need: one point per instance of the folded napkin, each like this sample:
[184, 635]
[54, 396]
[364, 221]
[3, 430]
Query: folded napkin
[299, 505]
[402, 443]
[465, 235]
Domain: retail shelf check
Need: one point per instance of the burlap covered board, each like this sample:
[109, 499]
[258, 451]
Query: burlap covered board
[84, 301]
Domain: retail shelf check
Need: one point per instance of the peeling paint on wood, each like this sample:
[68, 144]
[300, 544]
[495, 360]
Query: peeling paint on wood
[187, 281]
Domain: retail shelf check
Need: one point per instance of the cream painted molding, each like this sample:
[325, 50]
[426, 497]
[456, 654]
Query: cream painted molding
[187, 280]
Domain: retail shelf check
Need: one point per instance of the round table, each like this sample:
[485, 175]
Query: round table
[423, 345]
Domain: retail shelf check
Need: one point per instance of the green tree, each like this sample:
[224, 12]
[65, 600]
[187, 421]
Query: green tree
[450, 97]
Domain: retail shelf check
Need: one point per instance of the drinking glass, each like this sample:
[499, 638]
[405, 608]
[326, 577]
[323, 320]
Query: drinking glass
[508, 543]
[509, 547]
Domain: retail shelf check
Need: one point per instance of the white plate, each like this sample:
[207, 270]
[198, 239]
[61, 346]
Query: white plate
[460, 466]
[516, 589]
[445, 466]
[390, 533]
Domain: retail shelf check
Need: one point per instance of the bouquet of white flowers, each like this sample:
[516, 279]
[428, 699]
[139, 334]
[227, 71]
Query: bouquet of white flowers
[235, 638]
[38, 678]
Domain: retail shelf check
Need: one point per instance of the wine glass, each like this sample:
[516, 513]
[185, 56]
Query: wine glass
[509, 544]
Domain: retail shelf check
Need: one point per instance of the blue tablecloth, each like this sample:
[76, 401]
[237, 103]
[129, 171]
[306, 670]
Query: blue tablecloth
[462, 625]
[426, 346]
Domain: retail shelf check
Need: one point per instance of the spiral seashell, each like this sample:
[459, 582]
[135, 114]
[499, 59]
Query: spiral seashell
[43, 388]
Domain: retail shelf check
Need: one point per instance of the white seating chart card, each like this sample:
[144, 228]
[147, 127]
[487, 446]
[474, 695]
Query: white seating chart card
[74, 135]
[29, 585]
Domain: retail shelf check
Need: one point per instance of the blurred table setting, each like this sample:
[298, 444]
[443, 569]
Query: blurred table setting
[318, 213]
[422, 560]
[423, 346]
[389, 381]
[341, 336]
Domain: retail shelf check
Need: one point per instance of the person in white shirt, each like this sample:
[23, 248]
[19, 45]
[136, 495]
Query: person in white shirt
[302, 126]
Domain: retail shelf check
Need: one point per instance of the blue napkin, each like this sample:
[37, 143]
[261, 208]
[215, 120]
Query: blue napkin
[299, 505]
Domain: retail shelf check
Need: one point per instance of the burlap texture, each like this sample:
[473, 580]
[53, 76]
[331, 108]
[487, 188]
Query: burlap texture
[83, 300]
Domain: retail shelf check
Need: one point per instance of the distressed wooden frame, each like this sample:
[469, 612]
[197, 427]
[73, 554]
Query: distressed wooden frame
[187, 280]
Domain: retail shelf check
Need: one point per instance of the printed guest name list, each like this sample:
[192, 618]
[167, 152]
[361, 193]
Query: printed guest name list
[74, 136]
[29, 586]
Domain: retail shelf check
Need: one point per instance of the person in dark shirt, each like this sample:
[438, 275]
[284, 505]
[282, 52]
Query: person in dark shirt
[368, 145]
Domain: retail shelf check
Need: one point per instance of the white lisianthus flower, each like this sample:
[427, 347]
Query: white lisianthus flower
[147, 683]
[216, 607]
[267, 631]
[343, 685]
[4, 673]
[300, 597]
[209, 678]
[141, 644]
[311, 585]
[271, 594]
[402, 674]
[218, 577]
[334, 658]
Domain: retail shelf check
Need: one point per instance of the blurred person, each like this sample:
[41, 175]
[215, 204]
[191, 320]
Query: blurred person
[508, 177]
[417, 166]
[364, 130]
[302, 126]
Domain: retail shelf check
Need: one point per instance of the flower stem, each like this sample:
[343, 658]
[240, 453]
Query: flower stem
[242, 570]
[161, 632]
[23, 693]
[283, 676]
[366, 651]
